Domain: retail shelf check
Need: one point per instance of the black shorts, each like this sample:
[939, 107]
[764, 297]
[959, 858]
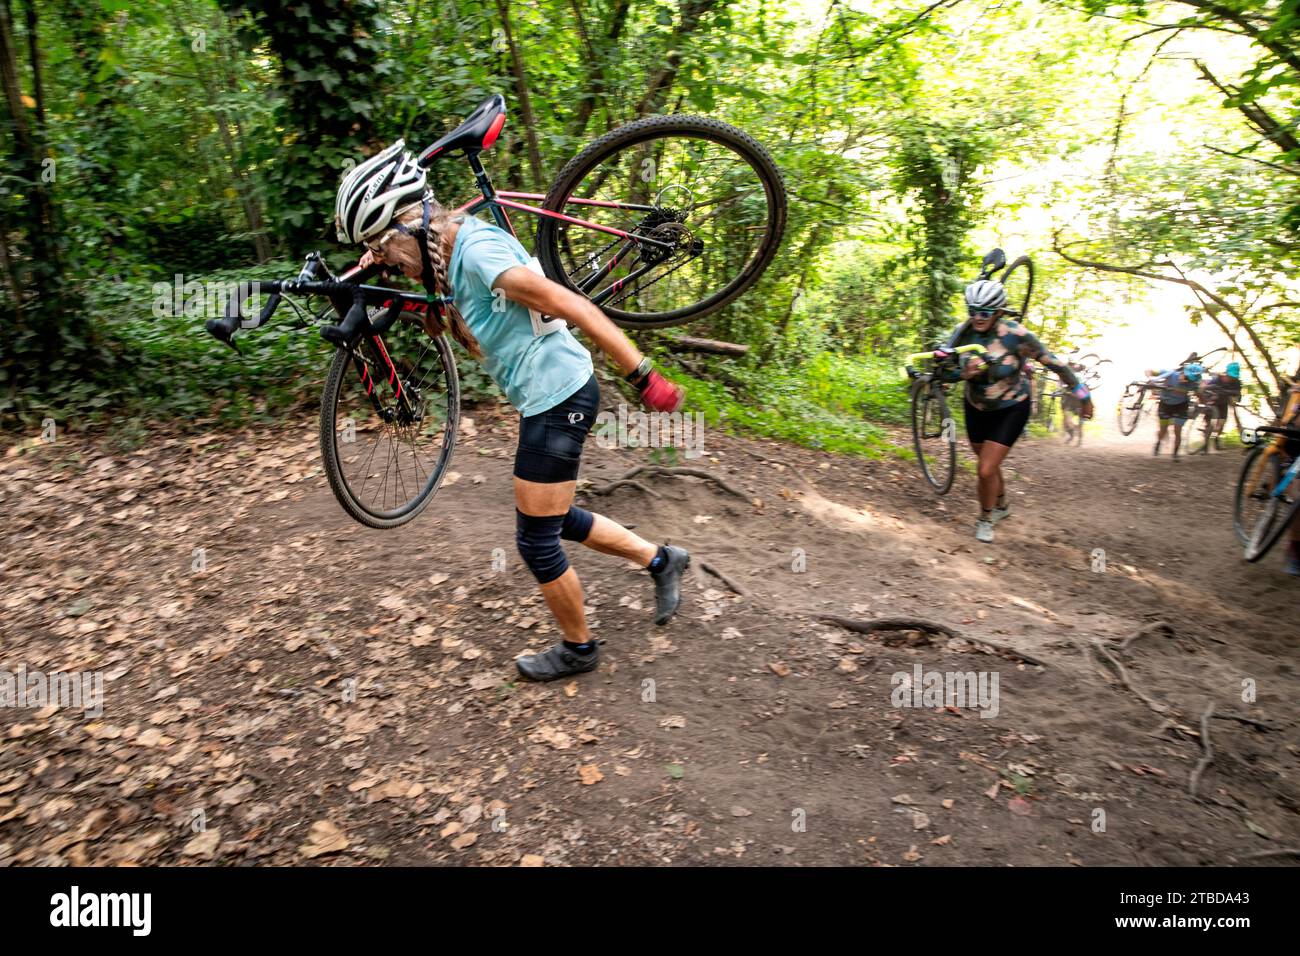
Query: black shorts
[550, 442]
[1177, 411]
[1001, 425]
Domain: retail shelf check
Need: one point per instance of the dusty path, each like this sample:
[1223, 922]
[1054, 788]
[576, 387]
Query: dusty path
[321, 691]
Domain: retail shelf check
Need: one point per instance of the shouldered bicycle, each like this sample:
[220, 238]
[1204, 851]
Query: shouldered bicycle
[659, 222]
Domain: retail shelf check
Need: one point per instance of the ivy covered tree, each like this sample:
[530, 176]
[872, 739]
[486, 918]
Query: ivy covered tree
[333, 75]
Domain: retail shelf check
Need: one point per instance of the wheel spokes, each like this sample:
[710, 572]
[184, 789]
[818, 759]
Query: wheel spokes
[389, 441]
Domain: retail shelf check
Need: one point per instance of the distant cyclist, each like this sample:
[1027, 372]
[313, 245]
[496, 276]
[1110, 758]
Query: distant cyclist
[1177, 386]
[1071, 411]
[1219, 393]
[998, 395]
[500, 304]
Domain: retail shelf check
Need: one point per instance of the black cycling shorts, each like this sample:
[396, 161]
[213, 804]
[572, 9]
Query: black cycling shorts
[550, 442]
[1176, 411]
[1001, 425]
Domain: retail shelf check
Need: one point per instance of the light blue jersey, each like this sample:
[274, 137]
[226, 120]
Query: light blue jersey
[536, 371]
[1177, 387]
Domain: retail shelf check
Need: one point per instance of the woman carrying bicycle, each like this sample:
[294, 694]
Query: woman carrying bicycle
[1177, 386]
[542, 369]
[997, 399]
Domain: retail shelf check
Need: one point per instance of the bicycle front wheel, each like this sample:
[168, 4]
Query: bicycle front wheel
[934, 435]
[1130, 410]
[1274, 520]
[388, 424]
[1260, 473]
[664, 220]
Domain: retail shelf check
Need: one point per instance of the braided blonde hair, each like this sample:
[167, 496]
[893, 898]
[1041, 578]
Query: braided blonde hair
[407, 255]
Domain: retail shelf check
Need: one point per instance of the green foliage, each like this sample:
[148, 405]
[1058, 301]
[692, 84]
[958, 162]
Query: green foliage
[936, 163]
[202, 137]
[333, 74]
[820, 405]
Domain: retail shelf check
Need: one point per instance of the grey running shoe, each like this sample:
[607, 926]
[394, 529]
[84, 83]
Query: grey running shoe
[668, 583]
[556, 662]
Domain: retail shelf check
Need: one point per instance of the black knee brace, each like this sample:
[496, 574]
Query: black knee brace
[538, 539]
[577, 524]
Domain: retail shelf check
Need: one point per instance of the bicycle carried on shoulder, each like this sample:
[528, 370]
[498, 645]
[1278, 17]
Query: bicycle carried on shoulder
[659, 222]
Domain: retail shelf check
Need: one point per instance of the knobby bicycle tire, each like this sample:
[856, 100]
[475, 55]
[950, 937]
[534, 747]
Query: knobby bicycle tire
[1131, 403]
[1276, 514]
[1025, 263]
[927, 395]
[1261, 468]
[641, 131]
[340, 368]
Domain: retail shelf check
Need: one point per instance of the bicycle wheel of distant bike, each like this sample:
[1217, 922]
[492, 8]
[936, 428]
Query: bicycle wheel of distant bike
[388, 422]
[668, 219]
[934, 435]
[1130, 409]
[1254, 501]
[1018, 278]
[1275, 516]
[1093, 364]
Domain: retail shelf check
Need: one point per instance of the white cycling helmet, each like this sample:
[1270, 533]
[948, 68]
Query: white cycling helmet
[375, 192]
[986, 295]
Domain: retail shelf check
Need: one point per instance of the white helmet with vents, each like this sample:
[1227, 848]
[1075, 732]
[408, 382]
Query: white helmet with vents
[986, 295]
[375, 192]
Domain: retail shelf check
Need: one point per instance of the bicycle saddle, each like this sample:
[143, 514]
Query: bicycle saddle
[476, 134]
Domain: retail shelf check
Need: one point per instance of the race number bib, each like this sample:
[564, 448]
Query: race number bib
[541, 325]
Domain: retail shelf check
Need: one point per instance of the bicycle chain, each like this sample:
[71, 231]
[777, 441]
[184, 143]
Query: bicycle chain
[636, 288]
[642, 288]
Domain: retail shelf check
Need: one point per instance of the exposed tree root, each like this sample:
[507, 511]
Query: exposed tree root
[617, 482]
[705, 566]
[928, 627]
[1208, 756]
[670, 472]
[1257, 724]
[1147, 630]
[1264, 854]
[1104, 652]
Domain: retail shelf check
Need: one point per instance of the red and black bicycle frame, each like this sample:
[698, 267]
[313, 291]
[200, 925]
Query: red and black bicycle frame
[497, 204]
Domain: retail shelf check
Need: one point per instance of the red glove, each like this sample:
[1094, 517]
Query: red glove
[660, 394]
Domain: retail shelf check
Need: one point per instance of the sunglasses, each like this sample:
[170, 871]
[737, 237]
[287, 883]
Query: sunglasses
[982, 313]
[378, 247]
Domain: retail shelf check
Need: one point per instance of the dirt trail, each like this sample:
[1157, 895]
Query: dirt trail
[319, 691]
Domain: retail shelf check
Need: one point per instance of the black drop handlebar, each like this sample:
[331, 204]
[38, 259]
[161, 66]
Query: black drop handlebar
[349, 296]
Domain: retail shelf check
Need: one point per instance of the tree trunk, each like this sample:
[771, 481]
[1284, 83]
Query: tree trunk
[521, 90]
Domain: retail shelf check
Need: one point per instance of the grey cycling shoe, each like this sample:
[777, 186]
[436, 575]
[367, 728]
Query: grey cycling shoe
[668, 583]
[556, 662]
